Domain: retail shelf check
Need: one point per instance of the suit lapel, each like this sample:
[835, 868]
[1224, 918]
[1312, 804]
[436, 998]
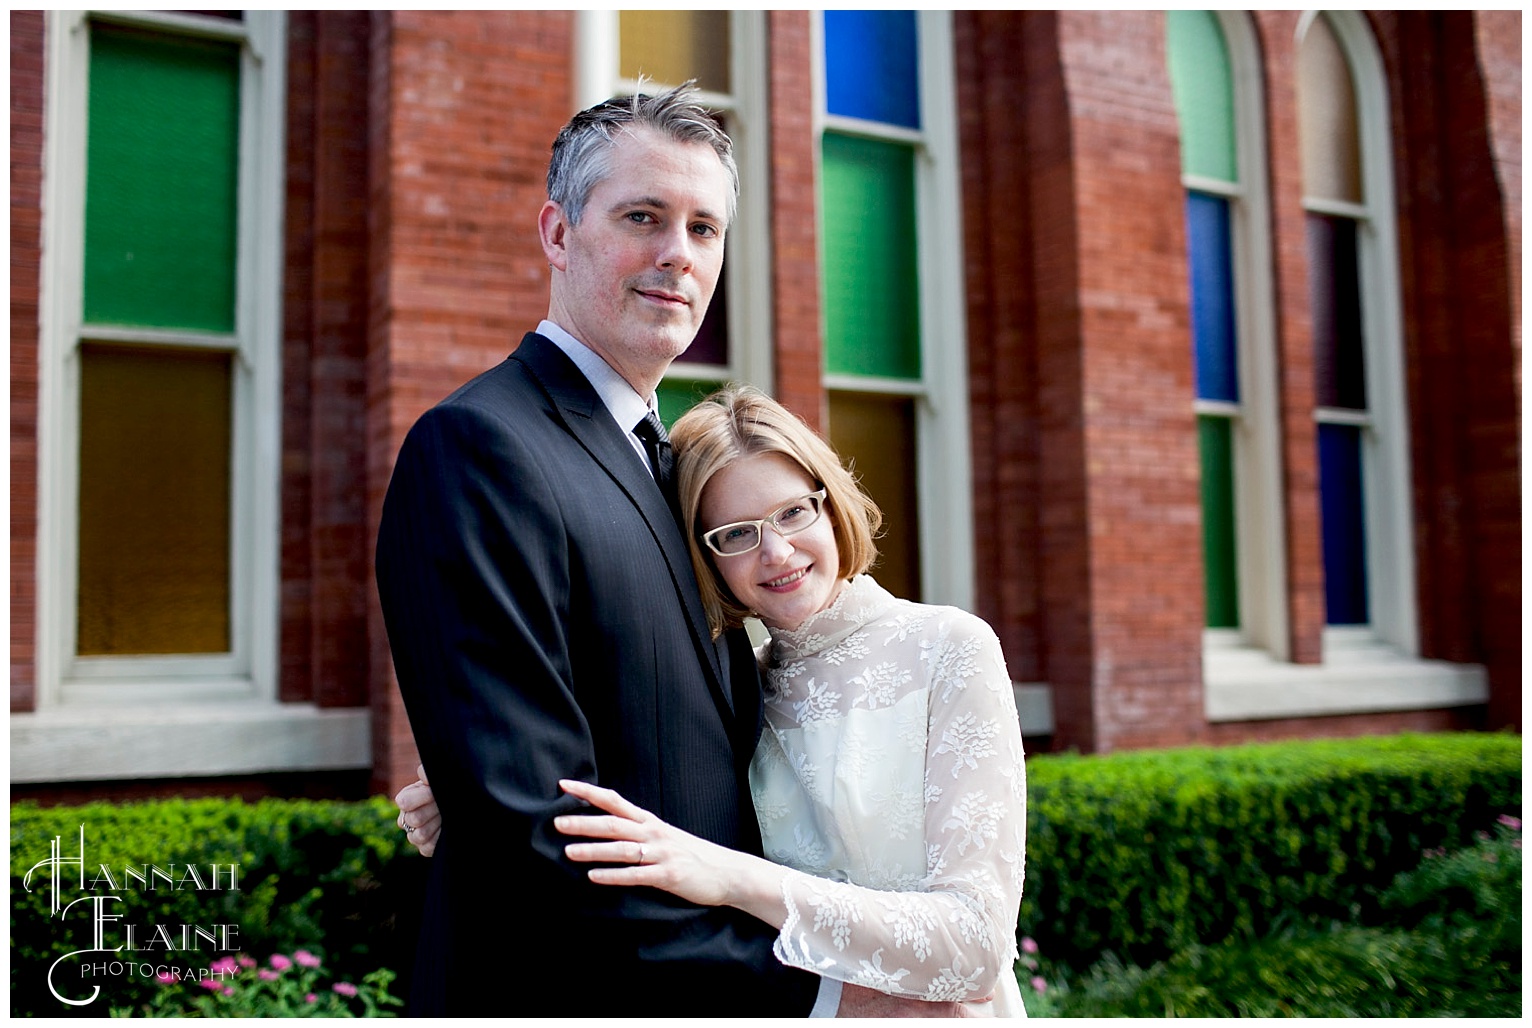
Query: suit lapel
[588, 421]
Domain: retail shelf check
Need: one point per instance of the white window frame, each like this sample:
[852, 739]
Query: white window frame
[944, 481]
[748, 266]
[152, 716]
[1377, 667]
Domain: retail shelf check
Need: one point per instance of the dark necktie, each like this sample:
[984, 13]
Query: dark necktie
[657, 445]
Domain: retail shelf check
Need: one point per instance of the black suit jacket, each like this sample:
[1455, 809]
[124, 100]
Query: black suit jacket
[545, 624]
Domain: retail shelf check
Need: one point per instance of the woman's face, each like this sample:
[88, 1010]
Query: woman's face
[787, 578]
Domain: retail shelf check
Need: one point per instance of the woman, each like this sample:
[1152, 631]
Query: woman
[889, 781]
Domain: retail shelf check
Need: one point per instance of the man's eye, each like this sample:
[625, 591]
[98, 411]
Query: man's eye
[640, 217]
[708, 231]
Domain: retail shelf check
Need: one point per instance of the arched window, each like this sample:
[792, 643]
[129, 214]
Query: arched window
[1354, 307]
[1214, 69]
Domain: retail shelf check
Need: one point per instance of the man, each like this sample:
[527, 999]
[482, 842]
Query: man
[545, 621]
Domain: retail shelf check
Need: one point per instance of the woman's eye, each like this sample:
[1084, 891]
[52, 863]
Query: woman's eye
[790, 514]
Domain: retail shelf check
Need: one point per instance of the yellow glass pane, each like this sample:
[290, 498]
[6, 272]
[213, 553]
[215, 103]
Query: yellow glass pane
[875, 436]
[155, 430]
[1327, 118]
[670, 47]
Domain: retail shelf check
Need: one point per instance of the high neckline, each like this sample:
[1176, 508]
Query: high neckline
[860, 601]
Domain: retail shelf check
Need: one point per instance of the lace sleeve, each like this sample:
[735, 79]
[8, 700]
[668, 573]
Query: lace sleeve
[954, 935]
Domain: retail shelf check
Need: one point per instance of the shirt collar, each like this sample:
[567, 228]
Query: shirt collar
[621, 399]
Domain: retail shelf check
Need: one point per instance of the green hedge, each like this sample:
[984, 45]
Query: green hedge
[1139, 854]
[331, 877]
[1149, 852]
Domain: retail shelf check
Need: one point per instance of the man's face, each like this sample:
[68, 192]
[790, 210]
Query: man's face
[633, 279]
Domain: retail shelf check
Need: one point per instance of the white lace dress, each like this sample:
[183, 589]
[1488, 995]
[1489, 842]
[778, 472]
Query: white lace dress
[890, 774]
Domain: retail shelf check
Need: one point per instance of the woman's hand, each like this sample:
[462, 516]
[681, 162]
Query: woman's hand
[663, 856]
[419, 816]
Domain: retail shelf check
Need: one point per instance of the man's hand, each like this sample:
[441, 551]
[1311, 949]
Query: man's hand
[419, 816]
[857, 1001]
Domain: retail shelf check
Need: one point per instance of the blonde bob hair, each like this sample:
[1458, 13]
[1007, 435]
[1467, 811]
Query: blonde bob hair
[737, 422]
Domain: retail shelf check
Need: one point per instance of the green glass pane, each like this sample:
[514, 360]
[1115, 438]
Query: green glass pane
[155, 473]
[871, 288]
[677, 396]
[1203, 86]
[1219, 556]
[161, 181]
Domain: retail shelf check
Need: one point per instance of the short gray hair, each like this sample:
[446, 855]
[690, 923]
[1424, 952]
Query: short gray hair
[582, 152]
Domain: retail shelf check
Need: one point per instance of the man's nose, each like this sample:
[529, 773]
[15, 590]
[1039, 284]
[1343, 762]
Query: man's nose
[677, 249]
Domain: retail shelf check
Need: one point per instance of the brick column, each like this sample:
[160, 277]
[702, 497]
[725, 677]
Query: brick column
[799, 350]
[1120, 538]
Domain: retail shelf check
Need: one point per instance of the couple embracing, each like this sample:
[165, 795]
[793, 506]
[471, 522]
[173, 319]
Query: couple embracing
[631, 811]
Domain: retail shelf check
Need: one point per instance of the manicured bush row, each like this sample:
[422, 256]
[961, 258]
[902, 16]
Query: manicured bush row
[332, 877]
[1139, 854]
[1148, 852]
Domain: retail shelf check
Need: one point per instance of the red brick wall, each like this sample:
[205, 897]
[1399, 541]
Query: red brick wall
[27, 38]
[1459, 344]
[1001, 312]
[463, 109]
[1346, 725]
[797, 345]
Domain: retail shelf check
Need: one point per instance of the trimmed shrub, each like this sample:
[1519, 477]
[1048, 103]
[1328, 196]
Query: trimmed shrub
[327, 876]
[1149, 852]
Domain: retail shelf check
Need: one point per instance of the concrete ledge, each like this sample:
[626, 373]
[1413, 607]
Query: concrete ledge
[1247, 685]
[70, 744]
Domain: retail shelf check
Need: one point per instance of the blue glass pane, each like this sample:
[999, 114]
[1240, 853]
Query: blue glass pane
[1341, 519]
[1210, 256]
[872, 67]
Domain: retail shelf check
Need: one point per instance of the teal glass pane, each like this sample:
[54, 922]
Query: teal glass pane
[677, 396]
[161, 181]
[1203, 85]
[871, 289]
[872, 66]
[1220, 558]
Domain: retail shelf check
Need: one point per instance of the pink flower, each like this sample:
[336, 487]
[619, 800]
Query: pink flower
[306, 958]
[246, 961]
[1513, 823]
[345, 988]
[228, 990]
[165, 977]
[1039, 986]
[280, 962]
[209, 983]
[311, 998]
[266, 975]
[1028, 944]
[223, 965]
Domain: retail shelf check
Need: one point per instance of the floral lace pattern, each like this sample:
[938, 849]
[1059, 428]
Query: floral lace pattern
[890, 774]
